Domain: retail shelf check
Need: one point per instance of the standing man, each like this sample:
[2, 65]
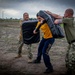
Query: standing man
[25, 18]
[45, 44]
[69, 26]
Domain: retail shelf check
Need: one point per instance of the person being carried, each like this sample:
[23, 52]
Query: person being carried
[30, 55]
[69, 26]
[45, 44]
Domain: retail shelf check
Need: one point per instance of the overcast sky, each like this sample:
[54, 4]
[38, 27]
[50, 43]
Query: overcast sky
[16, 8]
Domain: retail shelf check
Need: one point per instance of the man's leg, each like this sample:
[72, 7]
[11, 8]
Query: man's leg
[46, 57]
[20, 50]
[39, 54]
[30, 55]
[70, 59]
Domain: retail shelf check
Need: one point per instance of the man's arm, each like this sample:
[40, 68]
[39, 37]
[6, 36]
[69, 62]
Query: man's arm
[63, 20]
[54, 15]
[58, 21]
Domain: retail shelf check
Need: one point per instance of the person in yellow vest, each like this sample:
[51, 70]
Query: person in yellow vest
[45, 44]
[30, 55]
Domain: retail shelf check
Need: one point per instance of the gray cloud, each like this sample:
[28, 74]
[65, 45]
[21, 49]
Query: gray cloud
[16, 3]
[67, 2]
[33, 6]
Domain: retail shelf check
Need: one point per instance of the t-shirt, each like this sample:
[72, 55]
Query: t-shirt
[69, 27]
[46, 30]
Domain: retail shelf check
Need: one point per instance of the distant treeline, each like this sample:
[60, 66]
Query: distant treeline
[13, 20]
[9, 20]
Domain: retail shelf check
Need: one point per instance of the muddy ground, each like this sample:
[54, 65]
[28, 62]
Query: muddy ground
[9, 33]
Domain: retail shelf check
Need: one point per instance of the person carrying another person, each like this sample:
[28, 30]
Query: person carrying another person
[69, 26]
[45, 44]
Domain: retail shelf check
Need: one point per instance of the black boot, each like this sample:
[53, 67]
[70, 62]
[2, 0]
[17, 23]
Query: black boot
[48, 71]
[36, 61]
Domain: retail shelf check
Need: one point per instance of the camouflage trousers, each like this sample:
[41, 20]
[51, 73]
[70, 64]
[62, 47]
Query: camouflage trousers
[70, 57]
[30, 55]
